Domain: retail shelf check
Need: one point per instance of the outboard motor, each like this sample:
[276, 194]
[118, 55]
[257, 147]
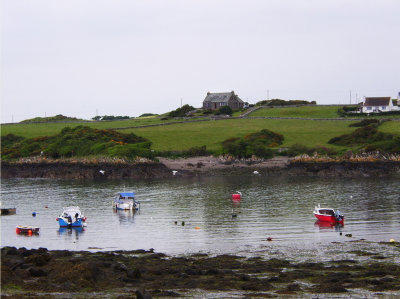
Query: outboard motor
[338, 217]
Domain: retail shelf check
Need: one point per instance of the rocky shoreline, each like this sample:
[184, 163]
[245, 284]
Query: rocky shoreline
[199, 166]
[40, 273]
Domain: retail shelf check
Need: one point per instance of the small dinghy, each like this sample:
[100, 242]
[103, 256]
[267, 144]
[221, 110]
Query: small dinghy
[125, 201]
[27, 230]
[8, 211]
[328, 215]
[71, 217]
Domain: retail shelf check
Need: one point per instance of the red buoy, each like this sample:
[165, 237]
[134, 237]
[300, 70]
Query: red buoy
[236, 196]
[17, 230]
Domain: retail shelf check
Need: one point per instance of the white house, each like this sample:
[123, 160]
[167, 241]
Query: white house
[378, 104]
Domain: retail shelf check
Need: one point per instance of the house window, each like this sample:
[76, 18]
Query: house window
[369, 108]
[383, 107]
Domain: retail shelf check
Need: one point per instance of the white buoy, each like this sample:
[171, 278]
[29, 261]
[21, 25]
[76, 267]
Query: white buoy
[174, 172]
[255, 172]
[102, 172]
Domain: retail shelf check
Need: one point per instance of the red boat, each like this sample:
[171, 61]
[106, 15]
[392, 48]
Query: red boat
[29, 230]
[328, 215]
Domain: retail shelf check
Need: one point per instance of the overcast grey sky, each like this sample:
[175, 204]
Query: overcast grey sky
[127, 57]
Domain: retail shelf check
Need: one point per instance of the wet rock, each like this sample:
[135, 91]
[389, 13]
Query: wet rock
[293, 287]
[135, 273]
[24, 252]
[35, 272]
[120, 267]
[61, 253]
[10, 250]
[143, 294]
[193, 271]
[38, 259]
[213, 272]
[161, 293]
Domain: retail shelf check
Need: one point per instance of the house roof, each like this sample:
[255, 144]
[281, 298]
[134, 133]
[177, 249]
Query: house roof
[377, 101]
[219, 97]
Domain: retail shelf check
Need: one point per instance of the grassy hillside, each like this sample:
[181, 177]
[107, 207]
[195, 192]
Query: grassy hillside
[309, 112]
[183, 136]
[47, 129]
[304, 112]
[212, 133]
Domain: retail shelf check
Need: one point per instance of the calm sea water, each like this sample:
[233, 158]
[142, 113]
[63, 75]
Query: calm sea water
[280, 208]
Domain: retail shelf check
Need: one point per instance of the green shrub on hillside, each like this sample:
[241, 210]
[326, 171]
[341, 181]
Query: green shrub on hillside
[57, 118]
[365, 122]
[110, 117]
[258, 144]
[370, 139]
[148, 114]
[81, 141]
[225, 110]
[279, 102]
[10, 139]
[181, 112]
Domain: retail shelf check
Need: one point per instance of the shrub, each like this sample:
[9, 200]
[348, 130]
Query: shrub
[10, 139]
[225, 110]
[257, 144]
[365, 122]
[181, 112]
[81, 141]
[279, 102]
[57, 118]
[369, 138]
[148, 114]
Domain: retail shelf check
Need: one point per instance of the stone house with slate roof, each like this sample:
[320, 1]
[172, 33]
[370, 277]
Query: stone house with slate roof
[378, 104]
[214, 101]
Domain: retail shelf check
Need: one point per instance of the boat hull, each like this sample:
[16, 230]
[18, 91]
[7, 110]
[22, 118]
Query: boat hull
[8, 211]
[29, 230]
[63, 223]
[328, 218]
[122, 206]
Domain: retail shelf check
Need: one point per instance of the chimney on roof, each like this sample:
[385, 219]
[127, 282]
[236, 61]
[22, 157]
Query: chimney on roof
[208, 92]
[232, 92]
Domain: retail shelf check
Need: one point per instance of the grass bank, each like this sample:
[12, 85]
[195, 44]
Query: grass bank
[212, 133]
[309, 112]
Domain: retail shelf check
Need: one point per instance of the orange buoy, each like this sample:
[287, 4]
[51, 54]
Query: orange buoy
[30, 232]
[197, 227]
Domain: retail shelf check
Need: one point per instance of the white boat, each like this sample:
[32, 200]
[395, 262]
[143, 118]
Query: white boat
[125, 201]
[71, 217]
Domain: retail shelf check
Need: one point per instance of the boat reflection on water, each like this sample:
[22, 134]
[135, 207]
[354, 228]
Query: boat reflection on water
[326, 225]
[73, 231]
[125, 216]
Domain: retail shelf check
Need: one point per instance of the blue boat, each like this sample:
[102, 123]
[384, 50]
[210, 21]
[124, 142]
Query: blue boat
[71, 217]
[126, 201]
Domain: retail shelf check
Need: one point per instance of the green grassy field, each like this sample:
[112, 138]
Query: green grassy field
[212, 133]
[308, 112]
[47, 129]
[303, 111]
